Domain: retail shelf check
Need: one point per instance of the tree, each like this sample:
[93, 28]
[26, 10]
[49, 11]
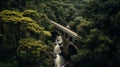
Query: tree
[102, 37]
[31, 52]
[16, 28]
[31, 13]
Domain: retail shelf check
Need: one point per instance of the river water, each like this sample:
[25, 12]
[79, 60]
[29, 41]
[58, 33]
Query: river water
[58, 58]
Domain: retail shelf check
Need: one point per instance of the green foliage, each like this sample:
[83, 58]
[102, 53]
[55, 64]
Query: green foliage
[31, 50]
[10, 13]
[8, 64]
[47, 63]
[25, 23]
[97, 21]
[83, 27]
[31, 25]
[19, 33]
[10, 16]
[81, 54]
[47, 33]
[100, 32]
[31, 13]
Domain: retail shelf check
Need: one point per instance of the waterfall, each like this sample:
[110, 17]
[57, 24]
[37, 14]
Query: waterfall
[59, 60]
[57, 49]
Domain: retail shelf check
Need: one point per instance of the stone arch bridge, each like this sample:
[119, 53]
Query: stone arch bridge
[70, 38]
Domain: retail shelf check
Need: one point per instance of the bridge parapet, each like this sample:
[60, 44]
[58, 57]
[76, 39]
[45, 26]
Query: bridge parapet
[65, 31]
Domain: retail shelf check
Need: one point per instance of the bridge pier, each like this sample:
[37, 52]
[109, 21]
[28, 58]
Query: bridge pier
[67, 39]
[69, 48]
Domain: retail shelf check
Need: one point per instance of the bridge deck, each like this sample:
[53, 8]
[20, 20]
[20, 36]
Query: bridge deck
[68, 31]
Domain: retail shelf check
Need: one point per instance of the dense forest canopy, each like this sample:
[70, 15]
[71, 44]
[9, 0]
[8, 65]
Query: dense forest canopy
[25, 31]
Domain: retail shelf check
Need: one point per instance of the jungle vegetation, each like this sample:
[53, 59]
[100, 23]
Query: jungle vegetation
[25, 32]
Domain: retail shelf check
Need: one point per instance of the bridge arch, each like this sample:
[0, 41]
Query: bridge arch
[72, 49]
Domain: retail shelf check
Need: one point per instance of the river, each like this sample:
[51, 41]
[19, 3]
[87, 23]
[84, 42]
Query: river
[58, 58]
